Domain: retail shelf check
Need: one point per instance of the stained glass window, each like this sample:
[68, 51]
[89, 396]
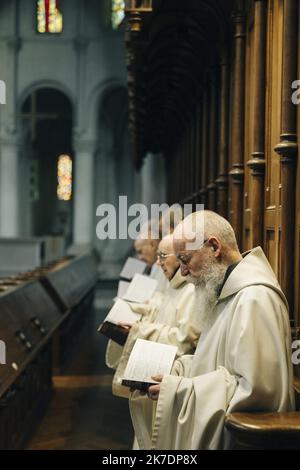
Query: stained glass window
[118, 13]
[64, 178]
[49, 16]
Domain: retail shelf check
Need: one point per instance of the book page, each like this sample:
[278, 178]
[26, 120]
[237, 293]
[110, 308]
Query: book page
[140, 289]
[131, 267]
[122, 288]
[147, 359]
[122, 313]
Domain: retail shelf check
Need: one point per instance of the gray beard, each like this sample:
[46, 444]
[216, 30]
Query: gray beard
[207, 293]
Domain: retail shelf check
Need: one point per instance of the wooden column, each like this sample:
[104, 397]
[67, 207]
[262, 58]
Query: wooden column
[257, 161]
[287, 149]
[222, 180]
[198, 149]
[212, 152]
[204, 148]
[236, 173]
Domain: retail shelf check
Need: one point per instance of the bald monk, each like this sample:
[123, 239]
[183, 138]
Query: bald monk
[171, 322]
[146, 246]
[146, 249]
[243, 358]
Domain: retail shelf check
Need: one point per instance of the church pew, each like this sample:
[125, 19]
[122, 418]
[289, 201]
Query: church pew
[28, 320]
[70, 282]
[39, 309]
[266, 430]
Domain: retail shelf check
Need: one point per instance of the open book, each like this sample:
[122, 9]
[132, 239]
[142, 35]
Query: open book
[122, 288]
[140, 289]
[148, 359]
[119, 313]
[131, 267]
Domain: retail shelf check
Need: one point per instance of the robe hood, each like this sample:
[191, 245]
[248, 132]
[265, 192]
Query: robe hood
[253, 269]
[177, 280]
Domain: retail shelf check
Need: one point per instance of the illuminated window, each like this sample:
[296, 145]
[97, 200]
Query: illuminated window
[64, 178]
[118, 13]
[49, 16]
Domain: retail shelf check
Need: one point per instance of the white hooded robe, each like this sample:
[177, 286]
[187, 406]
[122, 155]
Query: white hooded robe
[242, 363]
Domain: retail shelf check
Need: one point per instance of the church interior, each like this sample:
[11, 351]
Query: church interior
[191, 102]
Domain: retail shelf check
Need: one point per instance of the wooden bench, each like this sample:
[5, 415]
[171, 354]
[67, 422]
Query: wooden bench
[70, 283]
[42, 313]
[266, 430]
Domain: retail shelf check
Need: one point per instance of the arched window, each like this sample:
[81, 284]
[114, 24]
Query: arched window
[118, 13]
[64, 178]
[49, 16]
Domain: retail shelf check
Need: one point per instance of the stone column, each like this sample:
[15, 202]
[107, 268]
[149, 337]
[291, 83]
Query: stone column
[83, 190]
[153, 180]
[9, 207]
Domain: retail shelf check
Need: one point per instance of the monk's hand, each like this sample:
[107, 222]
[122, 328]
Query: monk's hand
[153, 390]
[127, 326]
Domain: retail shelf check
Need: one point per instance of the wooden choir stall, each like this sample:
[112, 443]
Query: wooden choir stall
[42, 313]
[210, 87]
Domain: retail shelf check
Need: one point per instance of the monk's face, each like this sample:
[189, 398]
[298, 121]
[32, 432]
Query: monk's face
[166, 259]
[146, 250]
[194, 262]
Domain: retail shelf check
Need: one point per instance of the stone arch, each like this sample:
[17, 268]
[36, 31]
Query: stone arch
[40, 84]
[95, 101]
[52, 116]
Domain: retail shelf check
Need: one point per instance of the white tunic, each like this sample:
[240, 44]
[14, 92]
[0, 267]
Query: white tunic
[242, 363]
[175, 322]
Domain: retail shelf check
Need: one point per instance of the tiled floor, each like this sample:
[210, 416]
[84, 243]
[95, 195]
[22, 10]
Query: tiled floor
[83, 413]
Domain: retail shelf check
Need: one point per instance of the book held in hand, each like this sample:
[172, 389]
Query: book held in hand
[148, 359]
[115, 332]
[119, 313]
[131, 267]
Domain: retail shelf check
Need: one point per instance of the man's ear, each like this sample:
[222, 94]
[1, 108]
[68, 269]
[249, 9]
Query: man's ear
[215, 246]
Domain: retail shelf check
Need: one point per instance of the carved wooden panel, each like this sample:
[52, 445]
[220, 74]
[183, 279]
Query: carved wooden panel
[273, 127]
[249, 82]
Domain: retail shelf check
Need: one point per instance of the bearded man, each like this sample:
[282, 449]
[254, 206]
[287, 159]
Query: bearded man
[243, 358]
[174, 322]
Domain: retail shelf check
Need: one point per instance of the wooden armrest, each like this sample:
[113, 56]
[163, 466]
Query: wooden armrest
[264, 423]
[265, 430]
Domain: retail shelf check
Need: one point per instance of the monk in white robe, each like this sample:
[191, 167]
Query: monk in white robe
[243, 357]
[146, 249]
[174, 322]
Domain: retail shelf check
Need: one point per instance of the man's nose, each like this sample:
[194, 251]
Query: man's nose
[184, 270]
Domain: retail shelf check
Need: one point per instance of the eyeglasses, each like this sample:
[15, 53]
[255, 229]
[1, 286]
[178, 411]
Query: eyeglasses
[185, 259]
[162, 256]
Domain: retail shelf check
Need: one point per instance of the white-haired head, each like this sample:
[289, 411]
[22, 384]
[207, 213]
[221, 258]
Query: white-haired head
[166, 258]
[200, 226]
[205, 244]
